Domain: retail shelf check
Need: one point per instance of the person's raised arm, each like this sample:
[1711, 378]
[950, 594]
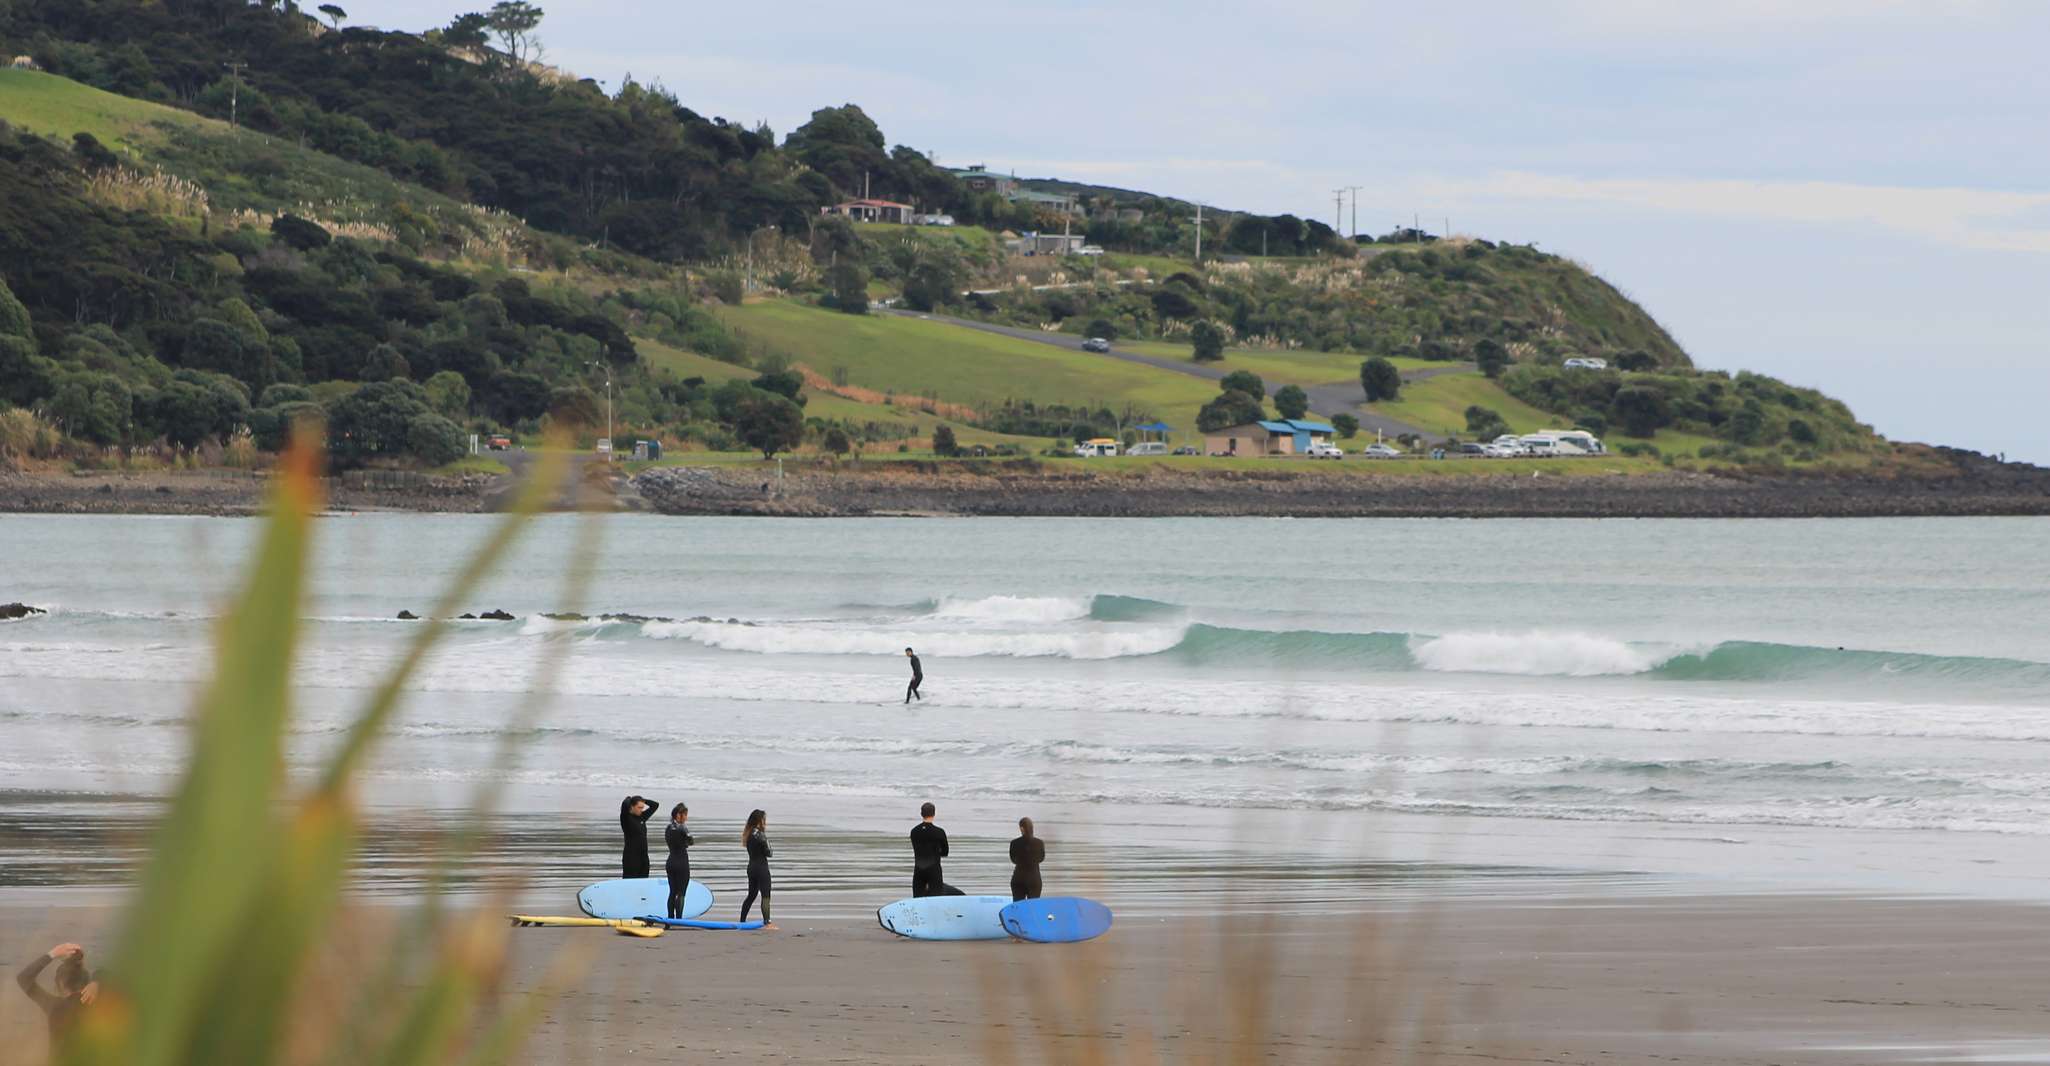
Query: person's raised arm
[650, 809]
[27, 977]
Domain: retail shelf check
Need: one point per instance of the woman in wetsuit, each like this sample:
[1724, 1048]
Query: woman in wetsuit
[756, 836]
[678, 867]
[76, 988]
[1027, 852]
[633, 822]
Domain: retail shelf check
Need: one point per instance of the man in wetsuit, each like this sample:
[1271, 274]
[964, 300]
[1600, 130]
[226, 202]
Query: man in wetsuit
[928, 847]
[76, 989]
[633, 822]
[917, 677]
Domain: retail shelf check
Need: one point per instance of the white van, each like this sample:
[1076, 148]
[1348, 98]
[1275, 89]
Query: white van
[1150, 447]
[1096, 446]
[1539, 444]
[1580, 441]
[1586, 363]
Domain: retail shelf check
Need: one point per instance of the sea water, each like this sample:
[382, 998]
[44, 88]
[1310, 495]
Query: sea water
[1885, 682]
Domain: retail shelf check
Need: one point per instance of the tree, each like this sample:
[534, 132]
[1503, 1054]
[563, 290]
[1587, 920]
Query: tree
[1347, 426]
[1636, 360]
[377, 421]
[447, 393]
[1641, 410]
[435, 440]
[788, 384]
[1291, 401]
[1102, 327]
[1800, 432]
[943, 442]
[1380, 379]
[836, 441]
[1208, 341]
[334, 15]
[1230, 408]
[1485, 423]
[574, 405]
[850, 288]
[1244, 381]
[467, 31]
[385, 363]
[1490, 356]
[299, 233]
[514, 22]
[768, 423]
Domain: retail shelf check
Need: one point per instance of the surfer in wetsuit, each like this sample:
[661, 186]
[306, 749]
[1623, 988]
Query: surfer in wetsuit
[1027, 852]
[917, 677]
[928, 847]
[756, 836]
[678, 867]
[76, 989]
[633, 822]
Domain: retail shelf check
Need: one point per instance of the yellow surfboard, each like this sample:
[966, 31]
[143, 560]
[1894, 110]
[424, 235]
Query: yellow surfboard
[577, 921]
[645, 931]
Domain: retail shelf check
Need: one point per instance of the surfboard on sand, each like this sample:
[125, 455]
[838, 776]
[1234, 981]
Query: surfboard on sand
[579, 921]
[694, 923]
[646, 932]
[620, 900]
[946, 917]
[1056, 919]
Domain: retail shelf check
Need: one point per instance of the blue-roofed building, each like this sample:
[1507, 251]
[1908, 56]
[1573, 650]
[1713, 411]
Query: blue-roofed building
[1284, 436]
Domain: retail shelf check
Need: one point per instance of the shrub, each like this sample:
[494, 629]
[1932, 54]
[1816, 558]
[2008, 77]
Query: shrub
[1231, 408]
[1291, 401]
[299, 233]
[836, 442]
[435, 440]
[1485, 423]
[849, 284]
[1380, 380]
[727, 285]
[1642, 410]
[1243, 381]
[1101, 327]
[1490, 356]
[1347, 426]
[943, 442]
[1207, 341]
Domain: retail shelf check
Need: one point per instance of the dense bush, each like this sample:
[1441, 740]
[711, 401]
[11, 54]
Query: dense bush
[1747, 410]
[1380, 380]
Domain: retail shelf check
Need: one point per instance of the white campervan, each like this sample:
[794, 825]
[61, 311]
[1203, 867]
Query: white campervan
[1096, 446]
[1539, 443]
[1579, 440]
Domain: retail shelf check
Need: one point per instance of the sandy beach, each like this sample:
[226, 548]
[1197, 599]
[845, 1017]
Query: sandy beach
[1577, 979]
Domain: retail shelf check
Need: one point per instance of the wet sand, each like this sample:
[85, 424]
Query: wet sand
[1694, 980]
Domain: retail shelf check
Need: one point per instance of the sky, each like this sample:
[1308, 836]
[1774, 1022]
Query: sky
[1848, 194]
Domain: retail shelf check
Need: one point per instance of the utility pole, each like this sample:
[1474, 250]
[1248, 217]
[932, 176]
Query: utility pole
[1199, 233]
[234, 91]
[1337, 210]
[1355, 210]
[611, 448]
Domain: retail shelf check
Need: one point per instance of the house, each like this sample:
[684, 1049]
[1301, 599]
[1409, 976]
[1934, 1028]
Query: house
[1045, 244]
[1046, 201]
[1288, 436]
[872, 211]
[979, 179]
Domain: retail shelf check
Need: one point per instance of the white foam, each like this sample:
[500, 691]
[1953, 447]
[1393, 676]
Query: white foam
[819, 640]
[1016, 609]
[1538, 653]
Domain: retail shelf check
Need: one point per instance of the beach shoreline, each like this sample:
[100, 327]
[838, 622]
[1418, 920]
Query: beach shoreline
[1572, 979]
[1028, 488]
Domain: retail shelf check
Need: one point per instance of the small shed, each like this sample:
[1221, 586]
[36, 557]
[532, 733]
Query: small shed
[1291, 436]
[872, 211]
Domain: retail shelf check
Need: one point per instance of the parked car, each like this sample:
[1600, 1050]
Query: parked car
[1147, 447]
[1096, 344]
[605, 447]
[1381, 451]
[1188, 449]
[1586, 363]
[1324, 449]
[1472, 448]
[1504, 451]
[500, 444]
[1512, 443]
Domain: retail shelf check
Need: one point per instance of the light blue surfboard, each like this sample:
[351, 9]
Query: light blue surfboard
[622, 899]
[695, 923]
[1056, 919]
[946, 917]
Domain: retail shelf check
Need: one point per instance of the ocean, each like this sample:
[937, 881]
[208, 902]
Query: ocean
[1792, 702]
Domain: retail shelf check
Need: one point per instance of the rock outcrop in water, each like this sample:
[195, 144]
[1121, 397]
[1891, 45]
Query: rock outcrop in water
[10, 611]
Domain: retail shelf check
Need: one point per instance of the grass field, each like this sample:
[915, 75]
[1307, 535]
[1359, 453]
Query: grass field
[1300, 367]
[59, 107]
[1158, 266]
[912, 356]
[1439, 404]
[971, 238]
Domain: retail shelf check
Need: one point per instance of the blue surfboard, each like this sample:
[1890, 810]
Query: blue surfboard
[621, 899]
[695, 923]
[1056, 919]
[946, 917]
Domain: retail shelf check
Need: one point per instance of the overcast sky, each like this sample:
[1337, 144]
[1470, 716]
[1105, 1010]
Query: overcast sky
[1850, 194]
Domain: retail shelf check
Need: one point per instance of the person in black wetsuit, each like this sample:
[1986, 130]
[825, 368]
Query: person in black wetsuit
[76, 989]
[1027, 852]
[678, 837]
[756, 836]
[633, 822]
[928, 847]
[917, 677]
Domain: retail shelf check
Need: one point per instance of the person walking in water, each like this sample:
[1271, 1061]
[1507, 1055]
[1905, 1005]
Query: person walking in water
[633, 822]
[928, 847]
[1027, 852]
[917, 677]
[756, 836]
[678, 837]
[76, 989]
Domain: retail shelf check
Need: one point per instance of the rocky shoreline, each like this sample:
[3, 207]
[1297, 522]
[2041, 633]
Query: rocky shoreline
[1969, 485]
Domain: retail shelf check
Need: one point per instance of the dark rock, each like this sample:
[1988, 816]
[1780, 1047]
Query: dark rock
[467, 615]
[19, 610]
[496, 616]
[408, 616]
[163, 490]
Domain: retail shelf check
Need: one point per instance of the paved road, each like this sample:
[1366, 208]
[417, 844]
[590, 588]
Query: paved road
[1340, 397]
